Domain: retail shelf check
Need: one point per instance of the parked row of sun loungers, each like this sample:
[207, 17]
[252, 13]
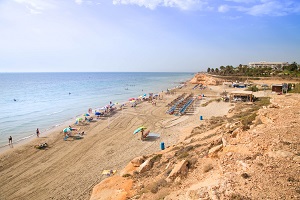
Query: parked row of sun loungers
[176, 100]
[183, 109]
[182, 103]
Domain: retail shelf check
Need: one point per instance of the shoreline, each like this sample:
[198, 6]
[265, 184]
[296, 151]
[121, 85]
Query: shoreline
[55, 128]
[70, 169]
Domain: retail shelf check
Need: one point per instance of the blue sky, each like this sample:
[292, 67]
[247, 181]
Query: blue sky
[145, 35]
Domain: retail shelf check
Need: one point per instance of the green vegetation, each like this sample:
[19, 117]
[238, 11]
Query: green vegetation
[252, 88]
[292, 70]
[296, 88]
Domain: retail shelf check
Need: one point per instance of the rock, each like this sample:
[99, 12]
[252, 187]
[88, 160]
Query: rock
[129, 169]
[229, 154]
[145, 166]
[180, 169]
[215, 149]
[297, 159]
[236, 132]
[177, 180]
[273, 106]
[213, 194]
[112, 188]
[227, 125]
[280, 153]
[138, 161]
[224, 142]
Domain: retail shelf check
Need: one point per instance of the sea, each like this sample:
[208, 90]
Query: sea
[47, 100]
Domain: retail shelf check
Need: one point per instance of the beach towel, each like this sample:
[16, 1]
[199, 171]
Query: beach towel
[109, 172]
[153, 135]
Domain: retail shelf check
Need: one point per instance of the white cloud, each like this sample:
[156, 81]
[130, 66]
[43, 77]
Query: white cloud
[271, 8]
[36, 6]
[223, 8]
[242, 1]
[152, 4]
[79, 2]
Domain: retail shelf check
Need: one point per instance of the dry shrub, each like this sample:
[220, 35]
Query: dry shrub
[126, 175]
[245, 175]
[184, 152]
[162, 194]
[154, 187]
[192, 162]
[142, 191]
[183, 155]
[207, 168]
[162, 182]
[156, 158]
[236, 196]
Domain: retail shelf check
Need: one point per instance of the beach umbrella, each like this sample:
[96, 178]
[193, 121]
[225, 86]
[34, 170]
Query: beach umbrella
[86, 114]
[139, 129]
[131, 99]
[97, 113]
[66, 130]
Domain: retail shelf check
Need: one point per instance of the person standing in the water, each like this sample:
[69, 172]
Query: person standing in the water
[37, 132]
[10, 140]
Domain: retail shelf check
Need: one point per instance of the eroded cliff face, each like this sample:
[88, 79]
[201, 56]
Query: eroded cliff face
[234, 160]
[203, 79]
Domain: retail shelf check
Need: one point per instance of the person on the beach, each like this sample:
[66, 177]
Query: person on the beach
[37, 132]
[144, 135]
[10, 140]
[72, 129]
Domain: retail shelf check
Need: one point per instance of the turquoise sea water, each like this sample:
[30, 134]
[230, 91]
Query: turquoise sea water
[46, 100]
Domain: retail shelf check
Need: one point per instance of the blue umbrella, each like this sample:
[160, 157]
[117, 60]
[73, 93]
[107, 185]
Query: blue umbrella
[97, 113]
[86, 114]
[139, 129]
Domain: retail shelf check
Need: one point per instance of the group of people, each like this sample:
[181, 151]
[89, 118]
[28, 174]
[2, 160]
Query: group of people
[10, 139]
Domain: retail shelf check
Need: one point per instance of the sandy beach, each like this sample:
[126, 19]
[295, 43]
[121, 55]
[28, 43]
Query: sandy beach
[70, 169]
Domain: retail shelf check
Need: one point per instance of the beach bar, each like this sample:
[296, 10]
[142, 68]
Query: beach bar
[277, 88]
[244, 96]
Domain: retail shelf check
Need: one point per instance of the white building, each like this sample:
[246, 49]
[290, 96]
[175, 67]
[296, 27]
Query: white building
[273, 65]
